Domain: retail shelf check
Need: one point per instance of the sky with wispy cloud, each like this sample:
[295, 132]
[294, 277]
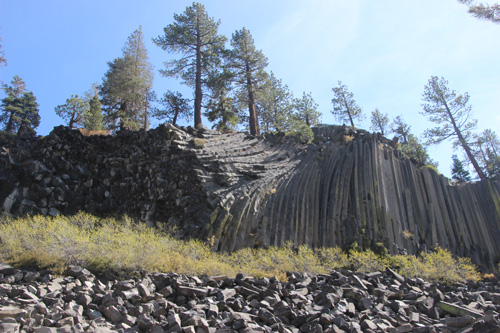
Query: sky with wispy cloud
[384, 51]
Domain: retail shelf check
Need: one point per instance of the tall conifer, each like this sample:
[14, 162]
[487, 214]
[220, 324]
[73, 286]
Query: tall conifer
[195, 36]
[451, 112]
[126, 85]
[344, 105]
[19, 107]
[248, 65]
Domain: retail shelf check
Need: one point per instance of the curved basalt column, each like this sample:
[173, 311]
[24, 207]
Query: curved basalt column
[357, 187]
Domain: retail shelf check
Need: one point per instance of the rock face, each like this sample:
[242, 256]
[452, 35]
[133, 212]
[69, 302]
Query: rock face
[342, 301]
[236, 190]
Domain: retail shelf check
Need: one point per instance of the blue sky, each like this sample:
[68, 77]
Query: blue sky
[384, 51]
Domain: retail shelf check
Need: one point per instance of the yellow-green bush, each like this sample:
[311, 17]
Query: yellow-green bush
[441, 266]
[367, 261]
[332, 258]
[123, 245]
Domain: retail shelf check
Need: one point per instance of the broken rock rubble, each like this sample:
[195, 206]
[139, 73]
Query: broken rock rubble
[342, 301]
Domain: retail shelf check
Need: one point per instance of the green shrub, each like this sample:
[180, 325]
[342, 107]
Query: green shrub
[199, 143]
[407, 234]
[431, 167]
[366, 261]
[124, 246]
[301, 132]
[332, 258]
[441, 266]
[381, 250]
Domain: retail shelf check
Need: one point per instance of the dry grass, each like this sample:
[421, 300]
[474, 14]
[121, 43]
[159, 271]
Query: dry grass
[87, 132]
[125, 246]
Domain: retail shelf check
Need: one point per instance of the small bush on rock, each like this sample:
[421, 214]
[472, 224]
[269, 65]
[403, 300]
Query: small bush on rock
[302, 133]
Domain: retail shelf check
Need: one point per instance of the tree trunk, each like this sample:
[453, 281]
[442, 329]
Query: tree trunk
[121, 115]
[254, 123]
[146, 119]
[10, 124]
[197, 92]
[348, 111]
[464, 144]
[72, 120]
[381, 129]
[254, 126]
[485, 158]
[176, 112]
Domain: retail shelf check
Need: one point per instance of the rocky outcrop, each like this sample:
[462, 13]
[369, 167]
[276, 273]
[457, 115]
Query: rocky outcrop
[342, 301]
[235, 190]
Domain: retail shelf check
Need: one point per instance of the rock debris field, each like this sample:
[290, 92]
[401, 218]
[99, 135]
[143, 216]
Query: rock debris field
[342, 301]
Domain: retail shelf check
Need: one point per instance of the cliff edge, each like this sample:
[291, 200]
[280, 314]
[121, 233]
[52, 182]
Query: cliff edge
[235, 190]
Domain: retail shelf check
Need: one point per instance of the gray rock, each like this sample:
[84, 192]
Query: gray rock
[12, 312]
[45, 329]
[395, 275]
[189, 329]
[267, 317]
[68, 321]
[145, 322]
[6, 269]
[113, 314]
[174, 322]
[125, 285]
[458, 310]
[31, 276]
[131, 295]
[9, 327]
[212, 311]
[191, 292]
[459, 321]
[143, 290]
[93, 314]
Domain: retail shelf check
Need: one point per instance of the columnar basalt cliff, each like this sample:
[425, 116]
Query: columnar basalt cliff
[235, 190]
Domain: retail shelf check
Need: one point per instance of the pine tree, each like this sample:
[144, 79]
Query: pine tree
[448, 109]
[93, 116]
[410, 145]
[175, 107]
[126, 86]
[416, 152]
[344, 105]
[248, 65]
[194, 35]
[486, 149]
[493, 165]
[30, 117]
[275, 105]
[400, 128]
[458, 170]
[486, 140]
[10, 104]
[482, 11]
[17, 87]
[306, 110]
[20, 109]
[3, 61]
[221, 104]
[379, 121]
[73, 111]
